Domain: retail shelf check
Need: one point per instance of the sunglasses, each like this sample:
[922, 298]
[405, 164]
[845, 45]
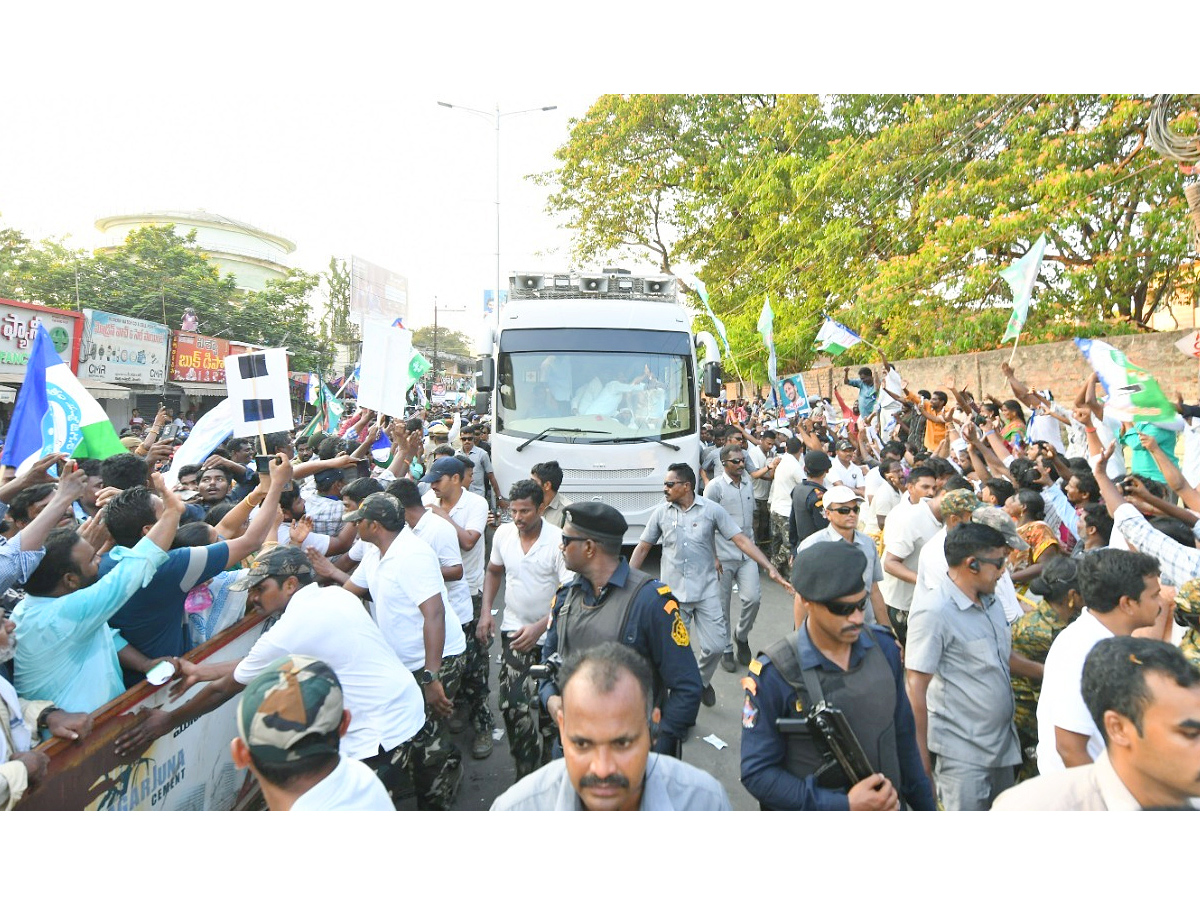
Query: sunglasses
[671, 484]
[844, 609]
[997, 561]
[844, 510]
[567, 539]
[736, 462]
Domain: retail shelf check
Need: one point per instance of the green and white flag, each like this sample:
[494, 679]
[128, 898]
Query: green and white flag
[1021, 277]
[835, 338]
[1133, 393]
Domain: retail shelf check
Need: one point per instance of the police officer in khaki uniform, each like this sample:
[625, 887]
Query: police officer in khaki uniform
[609, 601]
[854, 667]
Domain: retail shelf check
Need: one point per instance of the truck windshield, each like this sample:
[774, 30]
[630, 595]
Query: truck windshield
[611, 395]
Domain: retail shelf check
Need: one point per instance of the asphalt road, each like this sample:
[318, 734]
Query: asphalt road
[484, 780]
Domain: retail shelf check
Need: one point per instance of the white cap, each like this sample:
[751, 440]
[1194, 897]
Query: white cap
[838, 494]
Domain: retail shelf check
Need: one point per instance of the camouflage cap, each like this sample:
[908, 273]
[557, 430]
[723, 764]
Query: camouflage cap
[379, 507]
[1187, 598]
[282, 561]
[960, 502]
[297, 697]
[995, 517]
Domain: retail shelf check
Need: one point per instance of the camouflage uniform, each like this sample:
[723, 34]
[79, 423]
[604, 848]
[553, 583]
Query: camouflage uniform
[1032, 635]
[294, 698]
[781, 544]
[1187, 612]
[473, 693]
[429, 758]
[531, 732]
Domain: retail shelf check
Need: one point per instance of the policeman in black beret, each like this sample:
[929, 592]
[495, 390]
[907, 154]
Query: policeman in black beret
[854, 667]
[608, 600]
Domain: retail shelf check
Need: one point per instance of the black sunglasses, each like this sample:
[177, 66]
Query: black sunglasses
[844, 609]
[844, 510]
[997, 561]
[671, 484]
[567, 538]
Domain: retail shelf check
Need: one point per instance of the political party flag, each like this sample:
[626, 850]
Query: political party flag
[834, 338]
[211, 430]
[698, 286]
[1021, 276]
[55, 413]
[1190, 345]
[390, 366]
[313, 390]
[766, 327]
[1133, 393]
[329, 414]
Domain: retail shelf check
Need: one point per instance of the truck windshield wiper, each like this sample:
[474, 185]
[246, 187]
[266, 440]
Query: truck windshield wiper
[546, 431]
[639, 439]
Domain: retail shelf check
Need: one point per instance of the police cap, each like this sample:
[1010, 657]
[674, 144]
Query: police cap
[828, 570]
[597, 520]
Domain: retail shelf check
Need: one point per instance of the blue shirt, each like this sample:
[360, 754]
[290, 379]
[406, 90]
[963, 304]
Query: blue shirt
[153, 619]
[764, 749]
[66, 653]
[868, 395]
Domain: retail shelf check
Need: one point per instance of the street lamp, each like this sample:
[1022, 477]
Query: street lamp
[497, 115]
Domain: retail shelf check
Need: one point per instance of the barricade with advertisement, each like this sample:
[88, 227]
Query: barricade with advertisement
[188, 769]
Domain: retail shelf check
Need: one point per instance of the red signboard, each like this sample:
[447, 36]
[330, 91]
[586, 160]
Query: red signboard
[198, 358]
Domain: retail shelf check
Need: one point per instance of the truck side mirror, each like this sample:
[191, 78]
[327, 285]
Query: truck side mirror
[485, 374]
[711, 381]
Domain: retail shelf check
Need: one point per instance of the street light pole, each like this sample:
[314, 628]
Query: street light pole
[497, 115]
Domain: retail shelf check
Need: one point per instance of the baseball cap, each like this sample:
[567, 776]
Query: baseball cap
[291, 711]
[845, 445]
[381, 508]
[438, 428]
[444, 465]
[281, 561]
[956, 503]
[839, 493]
[998, 519]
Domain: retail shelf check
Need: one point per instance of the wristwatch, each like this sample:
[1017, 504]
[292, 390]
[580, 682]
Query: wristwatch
[43, 716]
[425, 677]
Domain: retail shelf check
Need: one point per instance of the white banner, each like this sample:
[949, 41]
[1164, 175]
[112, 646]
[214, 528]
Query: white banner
[383, 369]
[259, 391]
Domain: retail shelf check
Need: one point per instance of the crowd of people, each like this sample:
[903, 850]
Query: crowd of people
[994, 606]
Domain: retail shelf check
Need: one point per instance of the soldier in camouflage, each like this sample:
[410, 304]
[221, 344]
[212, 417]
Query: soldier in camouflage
[1032, 635]
[290, 721]
[1187, 614]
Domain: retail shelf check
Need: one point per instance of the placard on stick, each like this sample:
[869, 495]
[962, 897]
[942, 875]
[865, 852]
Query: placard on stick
[258, 389]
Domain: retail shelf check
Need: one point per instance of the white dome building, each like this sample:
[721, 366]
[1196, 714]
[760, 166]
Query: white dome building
[251, 255]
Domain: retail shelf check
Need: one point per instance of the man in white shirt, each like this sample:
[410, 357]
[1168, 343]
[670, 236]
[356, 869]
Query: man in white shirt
[1121, 593]
[468, 513]
[1144, 696]
[439, 534]
[909, 526]
[527, 555]
[290, 722]
[843, 471]
[884, 496]
[788, 473]
[389, 730]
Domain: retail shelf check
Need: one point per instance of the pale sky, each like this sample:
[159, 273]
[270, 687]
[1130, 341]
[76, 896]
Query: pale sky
[321, 123]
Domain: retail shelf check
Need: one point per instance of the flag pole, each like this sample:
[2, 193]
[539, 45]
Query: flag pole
[262, 441]
[1014, 353]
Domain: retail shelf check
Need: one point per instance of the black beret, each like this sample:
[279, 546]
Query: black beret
[596, 520]
[815, 461]
[828, 570]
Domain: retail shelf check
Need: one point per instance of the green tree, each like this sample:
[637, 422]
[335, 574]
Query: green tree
[448, 341]
[337, 323]
[280, 316]
[893, 214]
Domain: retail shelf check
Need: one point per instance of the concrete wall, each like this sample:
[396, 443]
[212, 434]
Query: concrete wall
[1059, 367]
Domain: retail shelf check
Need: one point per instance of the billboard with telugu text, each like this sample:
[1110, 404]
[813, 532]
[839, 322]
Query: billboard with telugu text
[18, 327]
[123, 350]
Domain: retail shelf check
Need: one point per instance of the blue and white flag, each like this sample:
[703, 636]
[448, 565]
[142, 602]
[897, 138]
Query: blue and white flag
[211, 430]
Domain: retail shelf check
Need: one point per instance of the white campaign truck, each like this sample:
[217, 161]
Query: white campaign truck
[599, 373]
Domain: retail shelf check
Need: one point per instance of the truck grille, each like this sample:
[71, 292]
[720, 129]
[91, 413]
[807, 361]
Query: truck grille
[605, 474]
[626, 503]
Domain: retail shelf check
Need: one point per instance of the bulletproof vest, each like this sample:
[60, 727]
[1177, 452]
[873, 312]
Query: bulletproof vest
[808, 522]
[580, 627]
[867, 697]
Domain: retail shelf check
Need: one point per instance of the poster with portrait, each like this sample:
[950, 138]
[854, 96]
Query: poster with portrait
[792, 398]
